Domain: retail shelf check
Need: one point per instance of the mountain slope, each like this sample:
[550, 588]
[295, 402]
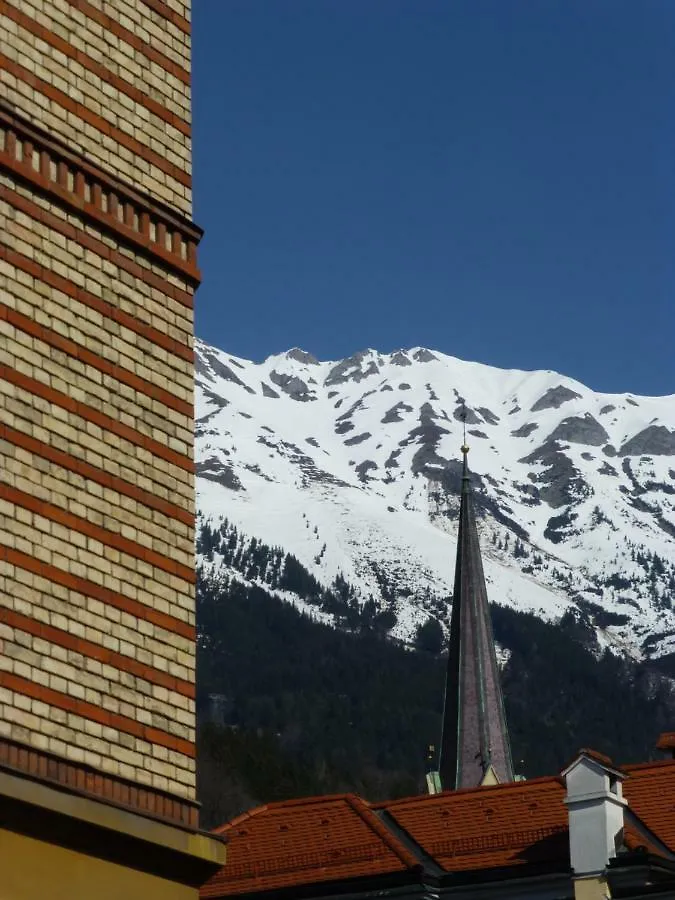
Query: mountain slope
[289, 707]
[353, 467]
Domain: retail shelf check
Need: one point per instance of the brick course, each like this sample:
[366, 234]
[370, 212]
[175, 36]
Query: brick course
[87, 779]
[92, 71]
[92, 114]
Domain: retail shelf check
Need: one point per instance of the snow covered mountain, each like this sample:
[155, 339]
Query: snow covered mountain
[354, 466]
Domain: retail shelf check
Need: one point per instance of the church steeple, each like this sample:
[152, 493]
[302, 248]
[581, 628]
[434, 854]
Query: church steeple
[475, 743]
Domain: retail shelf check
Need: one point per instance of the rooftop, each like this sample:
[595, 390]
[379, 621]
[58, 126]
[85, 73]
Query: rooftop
[520, 827]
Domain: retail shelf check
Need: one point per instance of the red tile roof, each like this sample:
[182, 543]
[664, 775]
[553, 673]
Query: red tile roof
[515, 824]
[650, 791]
[306, 841]
[518, 825]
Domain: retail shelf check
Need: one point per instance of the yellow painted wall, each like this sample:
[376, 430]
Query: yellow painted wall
[34, 870]
[591, 888]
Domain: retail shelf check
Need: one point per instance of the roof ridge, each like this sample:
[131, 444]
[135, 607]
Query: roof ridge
[426, 860]
[654, 763]
[639, 824]
[314, 800]
[365, 812]
[242, 817]
[483, 788]
[595, 756]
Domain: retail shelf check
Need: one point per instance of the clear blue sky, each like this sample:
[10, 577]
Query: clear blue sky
[491, 178]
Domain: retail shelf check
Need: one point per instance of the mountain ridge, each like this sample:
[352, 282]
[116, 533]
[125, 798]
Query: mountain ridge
[353, 466]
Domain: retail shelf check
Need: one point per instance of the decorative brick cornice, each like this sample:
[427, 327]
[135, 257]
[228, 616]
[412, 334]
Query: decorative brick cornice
[85, 780]
[115, 255]
[152, 229]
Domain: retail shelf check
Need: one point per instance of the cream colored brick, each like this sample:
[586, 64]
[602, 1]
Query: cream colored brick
[49, 664]
[116, 455]
[85, 87]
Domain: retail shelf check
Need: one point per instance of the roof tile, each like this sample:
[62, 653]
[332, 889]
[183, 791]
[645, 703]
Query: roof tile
[524, 823]
[650, 791]
[306, 841]
[489, 827]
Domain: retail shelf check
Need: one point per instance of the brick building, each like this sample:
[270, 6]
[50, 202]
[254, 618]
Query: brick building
[97, 277]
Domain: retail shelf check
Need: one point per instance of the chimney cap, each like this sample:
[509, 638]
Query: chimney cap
[666, 741]
[594, 756]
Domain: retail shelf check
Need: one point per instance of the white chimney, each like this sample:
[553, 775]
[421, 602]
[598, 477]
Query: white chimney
[595, 808]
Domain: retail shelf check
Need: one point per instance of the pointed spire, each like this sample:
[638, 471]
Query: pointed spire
[474, 743]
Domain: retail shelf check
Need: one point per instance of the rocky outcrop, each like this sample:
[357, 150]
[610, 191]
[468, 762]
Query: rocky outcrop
[580, 430]
[561, 482]
[487, 414]
[293, 386]
[349, 369]
[302, 356]
[400, 359]
[207, 364]
[219, 472]
[525, 430]
[363, 468]
[423, 355]
[394, 414]
[357, 439]
[655, 440]
[466, 414]
[554, 398]
[268, 392]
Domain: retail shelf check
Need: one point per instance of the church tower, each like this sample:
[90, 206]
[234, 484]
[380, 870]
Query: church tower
[474, 743]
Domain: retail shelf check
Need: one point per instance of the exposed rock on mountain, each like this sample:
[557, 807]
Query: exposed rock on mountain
[302, 356]
[554, 398]
[580, 430]
[655, 440]
[566, 518]
[292, 385]
[525, 430]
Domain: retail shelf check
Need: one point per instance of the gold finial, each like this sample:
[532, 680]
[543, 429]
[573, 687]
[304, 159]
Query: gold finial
[464, 448]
